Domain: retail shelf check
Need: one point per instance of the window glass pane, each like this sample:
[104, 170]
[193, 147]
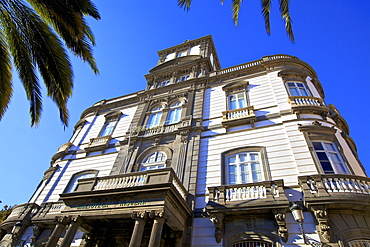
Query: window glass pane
[241, 100]
[232, 159]
[294, 92]
[108, 128]
[254, 156]
[326, 166]
[330, 146]
[243, 157]
[317, 146]
[73, 184]
[154, 119]
[322, 156]
[232, 102]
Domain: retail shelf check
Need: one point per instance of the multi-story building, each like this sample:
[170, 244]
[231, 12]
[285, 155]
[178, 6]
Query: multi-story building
[245, 156]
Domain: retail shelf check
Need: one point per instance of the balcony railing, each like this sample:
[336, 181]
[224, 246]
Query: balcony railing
[243, 192]
[253, 63]
[49, 209]
[132, 180]
[335, 184]
[160, 129]
[306, 101]
[238, 113]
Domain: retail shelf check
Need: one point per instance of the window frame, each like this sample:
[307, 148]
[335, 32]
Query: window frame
[263, 162]
[329, 155]
[298, 88]
[73, 181]
[159, 161]
[242, 176]
[147, 152]
[157, 114]
[177, 109]
[236, 94]
[110, 118]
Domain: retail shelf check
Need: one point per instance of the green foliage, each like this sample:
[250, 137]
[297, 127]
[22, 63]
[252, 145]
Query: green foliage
[265, 6]
[31, 40]
[5, 212]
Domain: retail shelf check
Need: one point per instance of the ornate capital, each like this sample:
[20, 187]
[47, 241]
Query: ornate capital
[139, 215]
[157, 214]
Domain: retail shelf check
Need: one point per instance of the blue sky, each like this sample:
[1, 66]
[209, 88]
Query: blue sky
[332, 36]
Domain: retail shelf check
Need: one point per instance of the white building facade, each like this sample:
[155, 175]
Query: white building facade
[245, 156]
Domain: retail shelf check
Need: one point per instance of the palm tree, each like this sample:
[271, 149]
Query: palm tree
[31, 35]
[265, 5]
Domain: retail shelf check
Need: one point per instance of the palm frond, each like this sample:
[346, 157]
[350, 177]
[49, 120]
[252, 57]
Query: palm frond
[6, 88]
[235, 11]
[18, 44]
[184, 4]
[50, 57]
[285, 15]
[266, 7]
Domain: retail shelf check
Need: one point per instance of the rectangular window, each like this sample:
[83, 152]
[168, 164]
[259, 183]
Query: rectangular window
[244, 168]
[329, 157]
[108, 128]
[237, 101]
[297, 89]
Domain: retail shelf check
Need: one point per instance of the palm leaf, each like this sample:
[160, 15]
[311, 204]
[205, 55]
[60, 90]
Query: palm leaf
[50, 57]
[18, 45]
[184, 4]
[6, 89]
[266, 4]
[235, 10]
[285, 15]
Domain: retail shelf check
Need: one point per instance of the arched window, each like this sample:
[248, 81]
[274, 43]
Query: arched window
[74, 180]
[155, 117]
[153, 161]
[174, 114]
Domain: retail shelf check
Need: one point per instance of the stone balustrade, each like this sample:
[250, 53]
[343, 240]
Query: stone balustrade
[242, 192]
[306, 101]
[335, 184]
[132, 180]
[160, 129]
[238, 113]
[253, 63]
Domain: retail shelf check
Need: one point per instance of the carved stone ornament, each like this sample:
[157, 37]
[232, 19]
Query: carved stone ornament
[282, 229]
[321, 215]
[154, 214]
[218, 221]
[139, 215]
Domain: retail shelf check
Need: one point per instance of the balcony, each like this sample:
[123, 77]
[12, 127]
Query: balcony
[98, 143]
[144, 131]
[307, 104]
[121, 195]
[336, 190]
[261, 196]
[21, 213]
[239, 116]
